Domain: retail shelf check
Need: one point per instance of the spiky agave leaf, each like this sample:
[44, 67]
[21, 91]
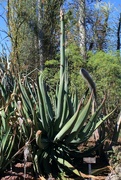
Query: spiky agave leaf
[85, 74]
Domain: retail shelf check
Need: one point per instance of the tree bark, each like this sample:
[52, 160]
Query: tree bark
[118, 33]
[40, 34]
[82, 29]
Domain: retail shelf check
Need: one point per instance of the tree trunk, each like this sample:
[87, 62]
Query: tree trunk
[118, 33]
[82, 29]
[40, 34]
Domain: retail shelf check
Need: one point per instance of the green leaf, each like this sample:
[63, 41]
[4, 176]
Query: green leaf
[67, 128]
[69, 166]
[42, 107]
[90, 127]
[65, 112]
[60, 98]
[80, 121]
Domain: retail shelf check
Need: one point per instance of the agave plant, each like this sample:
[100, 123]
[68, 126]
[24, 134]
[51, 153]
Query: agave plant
[10, 122]
[54, 128]
[59, 125]
[7, 138]
[7, 132]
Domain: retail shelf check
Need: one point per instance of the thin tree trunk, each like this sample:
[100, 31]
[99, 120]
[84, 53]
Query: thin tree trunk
[40, 33]
[118, 34]
[82, 29]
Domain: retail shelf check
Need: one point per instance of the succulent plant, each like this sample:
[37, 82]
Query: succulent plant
[53, 127]
[57, 128]
[7, 132]
[59, 125]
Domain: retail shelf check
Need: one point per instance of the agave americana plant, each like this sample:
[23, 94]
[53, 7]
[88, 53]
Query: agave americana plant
[59, 125]
[54, 128]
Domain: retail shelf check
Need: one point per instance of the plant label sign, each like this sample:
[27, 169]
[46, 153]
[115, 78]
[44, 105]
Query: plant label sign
[89, 160]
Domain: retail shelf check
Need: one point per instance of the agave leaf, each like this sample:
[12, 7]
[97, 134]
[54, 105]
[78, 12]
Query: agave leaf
[89, 80]
[26, 98]
[3, 116]
[36, 161]
[67, 128]
[10, 149]
[45, 107]
[60, 98]
[48, 109]
[74, 170]
[25, 108]
[93, 118]
[61, 107]
[46, 99]
[32, 92]
[3, 92]
[80, 121]
[75, 101]
[5, 139]
[42, 109]
[36, 165]
[27, 104]
[62, 152]
[64, 113]
[8, 144]
[69, 166]
[101, 120]
[92, 125]
[71, 109]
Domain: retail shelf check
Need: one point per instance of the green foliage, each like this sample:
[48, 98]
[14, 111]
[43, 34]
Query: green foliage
[106, 69]
[33, 29]
[75, 62]
[7, 132]
[58, 127]
[51, 73]
[54, 128]
[7, 138]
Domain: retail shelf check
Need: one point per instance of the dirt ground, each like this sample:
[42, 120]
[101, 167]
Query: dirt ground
[18, 171]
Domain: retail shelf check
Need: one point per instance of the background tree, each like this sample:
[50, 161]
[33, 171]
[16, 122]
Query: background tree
[118, 34]
[33, 29]
[99, 27]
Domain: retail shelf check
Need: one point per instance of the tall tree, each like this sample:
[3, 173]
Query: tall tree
[82, 27]
[100, 26]
[33, 28]
[19, 22]
[118, 33]
[84, 24]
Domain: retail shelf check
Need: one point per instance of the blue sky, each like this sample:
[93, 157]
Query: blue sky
[115, 3]
[5, 41]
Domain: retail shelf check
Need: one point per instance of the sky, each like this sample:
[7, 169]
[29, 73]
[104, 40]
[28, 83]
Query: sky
[4, 41]
[115, 3]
